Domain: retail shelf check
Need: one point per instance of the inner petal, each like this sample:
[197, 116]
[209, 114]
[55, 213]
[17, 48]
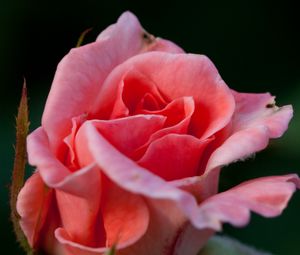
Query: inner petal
[174, 156]
[133, 90]
[126, 134]
[178, 114]
[125, 215]
[70, 156]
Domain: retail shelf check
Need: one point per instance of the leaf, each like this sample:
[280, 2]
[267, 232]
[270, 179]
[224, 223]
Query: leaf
[22, 126]
[222, 245]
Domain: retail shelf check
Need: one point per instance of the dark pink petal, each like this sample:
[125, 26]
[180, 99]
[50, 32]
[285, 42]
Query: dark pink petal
[125, 217]
[80, 74]
[255, 121]
[128, 95]
[33, 204]
[266, 196]
[174, 156]
[178, 113]
[180, 75]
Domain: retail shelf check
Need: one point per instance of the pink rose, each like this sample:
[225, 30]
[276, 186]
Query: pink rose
[133, 136]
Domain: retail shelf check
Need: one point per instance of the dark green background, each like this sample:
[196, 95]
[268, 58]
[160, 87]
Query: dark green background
[254, 44]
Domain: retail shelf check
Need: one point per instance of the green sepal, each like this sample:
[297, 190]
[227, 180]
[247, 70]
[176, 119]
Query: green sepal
[17, 182]
[222, 245]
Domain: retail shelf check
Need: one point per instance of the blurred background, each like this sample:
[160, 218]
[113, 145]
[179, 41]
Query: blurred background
[254, 44]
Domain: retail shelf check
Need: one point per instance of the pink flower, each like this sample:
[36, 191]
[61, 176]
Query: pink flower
[133, 136]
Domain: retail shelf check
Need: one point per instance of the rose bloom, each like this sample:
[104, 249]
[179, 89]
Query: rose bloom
[133, 136]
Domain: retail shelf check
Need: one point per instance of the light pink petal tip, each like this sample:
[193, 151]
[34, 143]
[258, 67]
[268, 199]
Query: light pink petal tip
[255, 121]
[81, 73]
[266, 196]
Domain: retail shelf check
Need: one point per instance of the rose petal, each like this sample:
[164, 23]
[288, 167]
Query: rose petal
[252, 127]
[162, 224]
[125, 218]
[49, 243]
[74, 197]
[179, 113]
[267, 196]
[174, 156]
[140, 128]
[201, 187]
[80, 74]
[178, 75]
[165, 46]
[54, 173]
[254, 109]
[129, 21]
[125, 102]
[79, 203]
[131, 177]
[70, 158]
[51, 169]
[32, 205]
[191, 240]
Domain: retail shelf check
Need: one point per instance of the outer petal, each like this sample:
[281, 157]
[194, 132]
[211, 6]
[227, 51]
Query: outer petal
[179, 75]
[80, 74]
[33, 204]
[78, 199]
[125, 217]
[165, 46]
[78, 203]
[40, 155]
[191, 240]
[202, 187]
[162, 224]
[130, 22]
[266, 196]
[255, 121]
